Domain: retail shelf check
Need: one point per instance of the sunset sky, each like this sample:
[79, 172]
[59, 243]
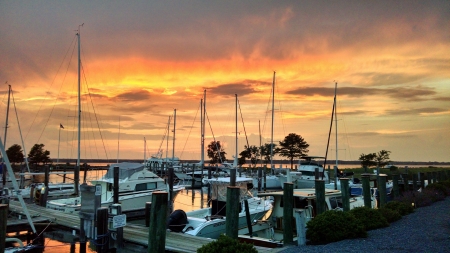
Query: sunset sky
[143, 59]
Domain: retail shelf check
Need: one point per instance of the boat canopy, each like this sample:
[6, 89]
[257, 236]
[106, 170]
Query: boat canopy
[219, 187]
[125, 170]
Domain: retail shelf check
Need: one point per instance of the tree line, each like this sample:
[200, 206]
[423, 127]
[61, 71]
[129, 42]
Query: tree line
[37, 154]
[293, 146]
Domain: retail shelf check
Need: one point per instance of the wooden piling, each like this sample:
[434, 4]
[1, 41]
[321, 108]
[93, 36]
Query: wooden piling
[232, 211]
[405, 182]
[170, 179]
[232, 177]
[320, 196]
[301, 227]
[288, 209]
[102, 230]
[148, 208]
[157, 228]
[422, 179]
[415, 179]
[395, 188]
[116, 185]
[259, 179]
[3, 224]
[366, 190]
[382, 189]
[248, 218]
[265, 179]
[429, 177]
[345, 190]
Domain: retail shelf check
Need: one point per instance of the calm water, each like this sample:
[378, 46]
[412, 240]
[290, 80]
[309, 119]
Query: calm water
[64, 241]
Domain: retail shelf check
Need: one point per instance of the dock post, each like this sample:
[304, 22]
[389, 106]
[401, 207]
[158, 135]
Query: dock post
[414, 181]
[3, 224]
[382, 190]
[259, 178]
[329, 173]
[102, 230]
[82, 237]
[345, 190]
[395, 189]
[248, 218]
[320, 196]
[317, 174]
[429, 177]
[148, 208]
[265, 179]
[366, 190]
[288, 216]
[116, 185]
[421, 179]
[232, 177]
[405, 182]
[170, 178]
[232, 212]
[157, 228]
[301, 227]
[435, 177]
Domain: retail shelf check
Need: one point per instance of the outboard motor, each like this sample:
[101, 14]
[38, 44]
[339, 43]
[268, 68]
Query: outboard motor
[177, 221]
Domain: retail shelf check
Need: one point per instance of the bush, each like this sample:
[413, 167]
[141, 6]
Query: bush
[370, 218]
[402, 207]
[389, 214]
[439, 187]
[225, 244]
[333, 226]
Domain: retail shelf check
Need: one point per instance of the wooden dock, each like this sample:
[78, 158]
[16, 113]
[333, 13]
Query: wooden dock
[175, 242]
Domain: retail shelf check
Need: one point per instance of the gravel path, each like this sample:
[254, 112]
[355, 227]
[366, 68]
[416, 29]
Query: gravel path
[425, 230]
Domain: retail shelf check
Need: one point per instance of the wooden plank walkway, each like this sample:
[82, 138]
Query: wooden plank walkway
[175, 242]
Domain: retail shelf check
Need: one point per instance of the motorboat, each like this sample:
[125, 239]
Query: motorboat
[136, 185]
[211, 222]
[308, 166]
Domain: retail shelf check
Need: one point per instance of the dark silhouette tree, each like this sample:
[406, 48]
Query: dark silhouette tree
[379, 159]
[293, 146]
[39, 155]
[15, 154]
[251, 153]
[265, 152]
[216, 153]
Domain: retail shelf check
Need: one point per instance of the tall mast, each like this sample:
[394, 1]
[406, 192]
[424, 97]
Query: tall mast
[77, 169]
[273, 111]
[7, 115]
[203, 114]
[235, 163]
[336, 125]
[167, 139]
[174, 127]
[145, 150]
[118, 143]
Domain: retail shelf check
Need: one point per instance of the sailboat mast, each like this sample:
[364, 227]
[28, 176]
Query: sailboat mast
[203, 112]
[174, 127]
[273, 111]
[7, 115]
[77, 169]
[235, 163]
[335, 117]
[118, 143]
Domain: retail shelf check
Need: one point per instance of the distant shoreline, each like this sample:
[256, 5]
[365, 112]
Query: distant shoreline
[276, 162]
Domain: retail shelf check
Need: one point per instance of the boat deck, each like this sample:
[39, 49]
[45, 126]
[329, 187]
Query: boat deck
[175, 242]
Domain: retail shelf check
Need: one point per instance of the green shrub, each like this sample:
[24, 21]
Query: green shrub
[389, 214]
[402, 206]
[439, 187]
[333, 226]
[370, 218]
[225, 244]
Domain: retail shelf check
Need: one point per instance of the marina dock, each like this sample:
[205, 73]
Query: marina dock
[175, 242]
